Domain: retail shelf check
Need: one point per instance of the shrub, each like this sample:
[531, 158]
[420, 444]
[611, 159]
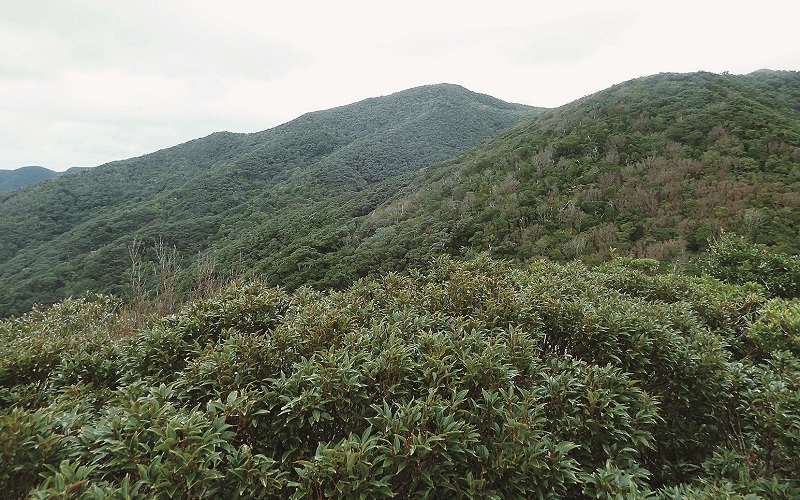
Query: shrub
[776, 327]
[470, 380]
[733, 260]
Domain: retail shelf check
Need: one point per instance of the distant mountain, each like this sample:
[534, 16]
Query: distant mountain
[653, 167]
[73, 234]
[21, 177]
[13, 179]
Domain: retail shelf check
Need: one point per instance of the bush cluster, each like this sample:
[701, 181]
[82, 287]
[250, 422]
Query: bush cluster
[734, 260]
[469, 380]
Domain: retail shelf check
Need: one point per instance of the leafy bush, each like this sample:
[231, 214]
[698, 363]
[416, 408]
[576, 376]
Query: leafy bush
[33, 345]
[733, 260]
[777, 327]
[470, 380]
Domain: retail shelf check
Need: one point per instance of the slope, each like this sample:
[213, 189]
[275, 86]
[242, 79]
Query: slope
[14, 179]
[24, 176]
[72, 235]
[652, 167]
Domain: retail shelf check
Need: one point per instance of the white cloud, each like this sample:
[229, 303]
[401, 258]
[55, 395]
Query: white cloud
[83, 82]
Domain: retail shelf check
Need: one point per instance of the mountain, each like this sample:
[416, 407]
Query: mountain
[13, 179]
[652, 167]
[20, 177]
[74, 233]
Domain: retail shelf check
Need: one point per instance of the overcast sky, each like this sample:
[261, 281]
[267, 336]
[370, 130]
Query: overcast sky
[84, 82]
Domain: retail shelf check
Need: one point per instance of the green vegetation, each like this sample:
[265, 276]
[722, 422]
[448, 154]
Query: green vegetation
[733, 260]
[650, 168]
[473, 380]
[622, 172]
[15, 179]
[364, 323]
[69, 235]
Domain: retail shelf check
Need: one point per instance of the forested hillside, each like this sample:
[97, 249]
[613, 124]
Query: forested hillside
[13, 179]
[73, 234]
[471, 379]
[20, 177]
[651, 168]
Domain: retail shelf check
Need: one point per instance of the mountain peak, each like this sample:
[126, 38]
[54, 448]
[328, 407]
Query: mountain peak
[206, 192]
[20, 177]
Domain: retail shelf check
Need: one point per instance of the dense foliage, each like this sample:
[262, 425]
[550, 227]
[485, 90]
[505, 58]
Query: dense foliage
[14, 179]
[467, 380]
[72, 234]
[733, 260]
[651, 168]
[622, 172]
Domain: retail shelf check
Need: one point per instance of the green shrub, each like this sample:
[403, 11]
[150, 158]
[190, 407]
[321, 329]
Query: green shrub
[732, 260]
[469, 380]
[69, 339]
[776, 327]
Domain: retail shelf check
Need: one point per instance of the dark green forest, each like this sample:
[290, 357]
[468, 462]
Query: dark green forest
[65, 236]
[13, 179]
[20, 177]
[433, 294]
[649, 168]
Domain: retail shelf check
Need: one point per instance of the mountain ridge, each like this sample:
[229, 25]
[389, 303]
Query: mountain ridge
[743, 132]
[653, 167]
[24, 176]
[72, 234]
